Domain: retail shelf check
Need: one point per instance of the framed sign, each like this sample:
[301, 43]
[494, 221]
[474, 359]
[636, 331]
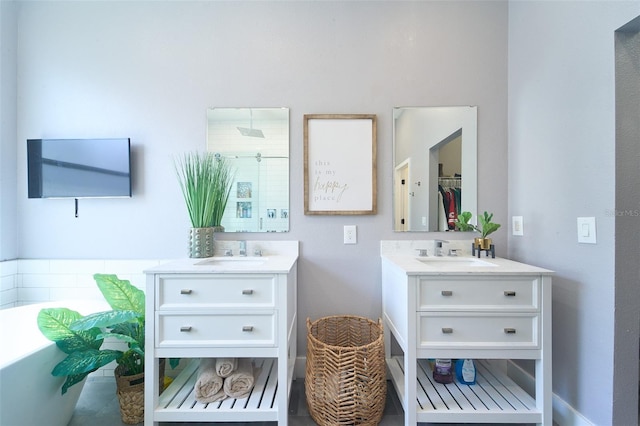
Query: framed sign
[340, 164]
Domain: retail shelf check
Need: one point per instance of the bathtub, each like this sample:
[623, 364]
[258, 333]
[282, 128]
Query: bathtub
[29, 394]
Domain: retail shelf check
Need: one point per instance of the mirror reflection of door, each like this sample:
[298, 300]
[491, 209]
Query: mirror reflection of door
[437, 142]
[402, 197]
[449, 159]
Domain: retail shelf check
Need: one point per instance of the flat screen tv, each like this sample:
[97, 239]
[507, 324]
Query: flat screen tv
[79, 168]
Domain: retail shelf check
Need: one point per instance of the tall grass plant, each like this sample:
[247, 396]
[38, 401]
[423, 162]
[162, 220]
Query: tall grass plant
[205, 181]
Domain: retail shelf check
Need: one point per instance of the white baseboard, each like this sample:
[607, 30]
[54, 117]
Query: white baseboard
[563, 413]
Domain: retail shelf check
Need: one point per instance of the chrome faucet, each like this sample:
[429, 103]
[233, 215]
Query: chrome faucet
[438, 251]
[243, 248]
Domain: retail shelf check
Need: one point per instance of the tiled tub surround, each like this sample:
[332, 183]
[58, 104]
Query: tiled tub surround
[26, 281]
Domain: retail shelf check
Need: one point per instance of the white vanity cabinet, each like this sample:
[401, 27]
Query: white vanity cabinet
[197, 311]
[497, 311]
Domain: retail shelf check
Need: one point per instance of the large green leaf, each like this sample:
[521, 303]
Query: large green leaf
[54, 323]
[72, 380]
[104, 319]
[85, 361]
[120, 294]
[122, 337]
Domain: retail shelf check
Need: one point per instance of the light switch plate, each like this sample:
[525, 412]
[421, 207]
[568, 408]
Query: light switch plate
[517, 225]
[587, 230]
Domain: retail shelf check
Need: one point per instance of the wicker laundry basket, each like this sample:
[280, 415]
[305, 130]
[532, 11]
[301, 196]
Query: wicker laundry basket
[345, 378]
[130, 391]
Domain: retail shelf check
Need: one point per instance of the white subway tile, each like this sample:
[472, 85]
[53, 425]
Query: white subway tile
[8, 282]
[8, 268]
[33, 295]
[76, 294]
[128, 266]
[33, 266]
[76, 266]
[48, 280]
[9, 296]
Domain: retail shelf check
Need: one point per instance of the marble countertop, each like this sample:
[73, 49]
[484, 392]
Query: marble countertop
[460, 265]
[270, 264]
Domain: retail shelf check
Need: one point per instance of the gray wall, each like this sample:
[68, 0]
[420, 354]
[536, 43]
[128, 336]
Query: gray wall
[149, 70]
[8, 146]
[562, 142]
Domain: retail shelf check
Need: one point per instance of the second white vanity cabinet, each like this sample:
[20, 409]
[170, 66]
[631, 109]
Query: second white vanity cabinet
[486, 310]
[211, 308]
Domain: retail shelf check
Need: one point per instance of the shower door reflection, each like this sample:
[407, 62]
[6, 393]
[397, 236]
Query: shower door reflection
[256, 143]
[258, 202]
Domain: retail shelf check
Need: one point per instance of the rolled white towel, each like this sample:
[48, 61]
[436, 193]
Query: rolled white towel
[226, 366]
[208, 387]
[240, 383]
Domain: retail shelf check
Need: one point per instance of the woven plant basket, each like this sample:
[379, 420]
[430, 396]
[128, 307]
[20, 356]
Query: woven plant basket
[345, 377]
[130, 391]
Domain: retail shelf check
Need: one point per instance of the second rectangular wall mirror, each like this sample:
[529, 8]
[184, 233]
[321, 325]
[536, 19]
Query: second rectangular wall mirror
[256, 143]
[434, 166]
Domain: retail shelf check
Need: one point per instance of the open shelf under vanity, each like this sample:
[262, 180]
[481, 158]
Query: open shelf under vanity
[494, 394]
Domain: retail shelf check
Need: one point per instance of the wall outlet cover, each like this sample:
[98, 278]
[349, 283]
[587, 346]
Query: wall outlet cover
[517, 225]
[350, 234]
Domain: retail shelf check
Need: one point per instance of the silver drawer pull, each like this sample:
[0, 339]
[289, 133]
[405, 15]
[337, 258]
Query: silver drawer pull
[185, 329]
[447, 330]
[186, 291]
[247, 328]
[446, 293]
[509, 293]
[247, 291]
[510, 331]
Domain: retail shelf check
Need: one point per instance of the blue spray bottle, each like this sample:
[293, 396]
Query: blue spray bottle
[466, 371]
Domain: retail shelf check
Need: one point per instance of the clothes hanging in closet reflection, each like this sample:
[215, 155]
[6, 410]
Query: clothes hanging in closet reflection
[450, 202]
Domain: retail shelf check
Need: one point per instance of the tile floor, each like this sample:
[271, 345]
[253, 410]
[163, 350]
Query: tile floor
[98, 406]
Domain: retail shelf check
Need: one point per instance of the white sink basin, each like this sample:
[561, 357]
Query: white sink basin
[453, 262]
[233, 262]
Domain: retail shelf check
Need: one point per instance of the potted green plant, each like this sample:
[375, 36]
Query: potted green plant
[462, 222]
[81, 338]
[485, 229]
[205, 180]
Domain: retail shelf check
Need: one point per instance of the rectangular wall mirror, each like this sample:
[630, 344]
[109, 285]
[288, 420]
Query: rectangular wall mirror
[434, 166]
[255, 141]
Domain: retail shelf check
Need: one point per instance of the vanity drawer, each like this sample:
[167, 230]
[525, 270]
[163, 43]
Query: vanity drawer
[478, 330]
[478, 293]
[216, 330]
[193, 291]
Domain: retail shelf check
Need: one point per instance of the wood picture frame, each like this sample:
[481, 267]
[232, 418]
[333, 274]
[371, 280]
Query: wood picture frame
[340, 164]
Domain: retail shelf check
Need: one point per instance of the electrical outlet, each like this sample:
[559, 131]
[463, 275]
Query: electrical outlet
[350, 234]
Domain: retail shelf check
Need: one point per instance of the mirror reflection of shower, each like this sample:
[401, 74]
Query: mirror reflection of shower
[256, 143]
[250, 131]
